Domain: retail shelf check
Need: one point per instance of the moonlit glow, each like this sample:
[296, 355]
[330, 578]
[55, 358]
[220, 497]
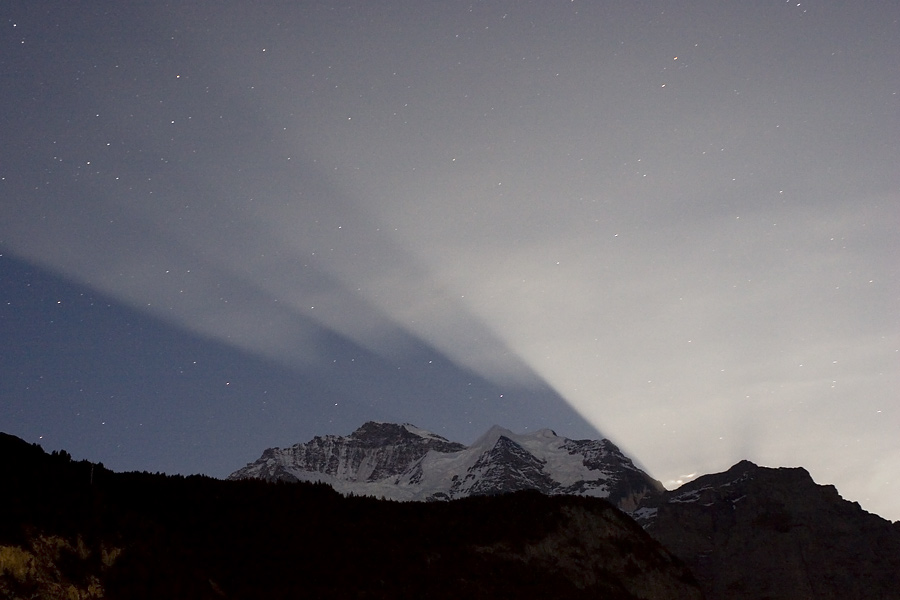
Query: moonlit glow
[578, 211]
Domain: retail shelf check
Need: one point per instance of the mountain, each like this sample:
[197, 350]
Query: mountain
[404, 462]
[755, 532]
[77, 530]
[748, 533]
[373, 452]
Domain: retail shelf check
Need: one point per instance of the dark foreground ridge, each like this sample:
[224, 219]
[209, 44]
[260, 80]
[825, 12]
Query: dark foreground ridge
[77, 530]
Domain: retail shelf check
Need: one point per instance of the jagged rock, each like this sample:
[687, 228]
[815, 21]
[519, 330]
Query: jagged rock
[372, 452]
[756, 532]
[403, 462]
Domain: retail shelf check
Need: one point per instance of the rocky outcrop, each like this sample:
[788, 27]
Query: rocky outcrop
[403, 462]
[755, 532]
[373, 452]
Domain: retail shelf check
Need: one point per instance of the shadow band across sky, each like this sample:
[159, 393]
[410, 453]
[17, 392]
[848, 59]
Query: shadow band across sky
[84, 372]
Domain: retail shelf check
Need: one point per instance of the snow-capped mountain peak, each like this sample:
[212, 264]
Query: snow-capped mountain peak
[405, 462]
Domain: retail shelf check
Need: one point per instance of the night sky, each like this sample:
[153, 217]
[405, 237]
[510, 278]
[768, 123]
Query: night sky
[226, 226]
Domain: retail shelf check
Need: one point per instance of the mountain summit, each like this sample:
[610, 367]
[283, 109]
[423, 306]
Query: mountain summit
[404, 462]
[758, 532]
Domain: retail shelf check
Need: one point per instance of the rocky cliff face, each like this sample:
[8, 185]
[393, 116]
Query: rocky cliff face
[373, 452]
[403, 462]
[755, 532]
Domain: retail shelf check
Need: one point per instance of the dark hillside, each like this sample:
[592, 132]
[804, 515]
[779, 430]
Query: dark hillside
[755, 532]
[74, 529]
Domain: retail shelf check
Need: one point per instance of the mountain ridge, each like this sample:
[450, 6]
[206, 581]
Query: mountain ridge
[404, 462]
[746, 533]
[77, 530]
[760, 532]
